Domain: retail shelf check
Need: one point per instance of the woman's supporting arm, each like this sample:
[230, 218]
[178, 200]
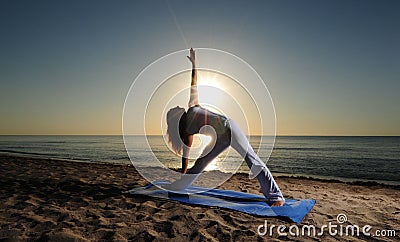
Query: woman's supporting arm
[185, 156]
[194, 98]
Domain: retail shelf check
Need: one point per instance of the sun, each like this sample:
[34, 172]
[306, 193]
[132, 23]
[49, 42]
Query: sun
[211, 92]
[211, 82]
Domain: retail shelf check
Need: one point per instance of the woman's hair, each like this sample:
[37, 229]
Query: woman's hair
[176, 131]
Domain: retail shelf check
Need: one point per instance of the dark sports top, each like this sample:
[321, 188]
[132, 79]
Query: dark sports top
[198, 117]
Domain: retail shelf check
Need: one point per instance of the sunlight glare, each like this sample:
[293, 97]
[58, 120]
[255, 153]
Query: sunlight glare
[201, 141]
[205, 139]
[212, 166]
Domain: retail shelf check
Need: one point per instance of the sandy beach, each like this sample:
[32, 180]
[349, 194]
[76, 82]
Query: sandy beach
[52, 200]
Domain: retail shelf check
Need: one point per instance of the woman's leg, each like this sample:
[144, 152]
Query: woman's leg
[258, 168]
[269, 187]
[193, 173]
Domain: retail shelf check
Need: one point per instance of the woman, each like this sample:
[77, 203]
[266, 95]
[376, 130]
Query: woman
[183, 125]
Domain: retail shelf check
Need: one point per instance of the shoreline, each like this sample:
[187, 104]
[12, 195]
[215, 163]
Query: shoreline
[53, 200]
[350, 181]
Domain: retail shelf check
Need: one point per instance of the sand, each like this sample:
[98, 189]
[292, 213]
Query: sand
[52, 200]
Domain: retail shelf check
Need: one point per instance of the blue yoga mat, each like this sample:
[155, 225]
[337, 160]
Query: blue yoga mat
[249, 203]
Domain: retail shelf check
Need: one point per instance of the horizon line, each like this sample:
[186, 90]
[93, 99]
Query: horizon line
[278, 135]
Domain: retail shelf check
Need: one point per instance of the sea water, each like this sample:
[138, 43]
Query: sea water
[331, 157]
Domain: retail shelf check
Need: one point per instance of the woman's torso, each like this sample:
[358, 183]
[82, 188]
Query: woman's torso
[197, 117]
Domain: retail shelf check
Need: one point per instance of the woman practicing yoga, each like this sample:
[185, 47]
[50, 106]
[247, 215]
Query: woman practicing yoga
[183, 125]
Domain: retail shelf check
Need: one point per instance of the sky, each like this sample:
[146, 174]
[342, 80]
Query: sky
[331, 67]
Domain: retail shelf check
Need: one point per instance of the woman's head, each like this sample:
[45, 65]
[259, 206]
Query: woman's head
[176, 122]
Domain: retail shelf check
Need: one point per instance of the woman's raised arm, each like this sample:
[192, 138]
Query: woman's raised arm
[194, 97]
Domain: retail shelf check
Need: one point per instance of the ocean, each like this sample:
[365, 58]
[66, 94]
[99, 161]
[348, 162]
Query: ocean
[326, 157]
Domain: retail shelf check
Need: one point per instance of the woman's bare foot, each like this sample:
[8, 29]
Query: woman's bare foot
[278, 203]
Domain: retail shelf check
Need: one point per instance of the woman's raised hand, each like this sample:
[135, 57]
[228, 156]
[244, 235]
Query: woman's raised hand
[192, 56]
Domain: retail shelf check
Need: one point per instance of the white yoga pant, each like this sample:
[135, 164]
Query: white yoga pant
[238, 141]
